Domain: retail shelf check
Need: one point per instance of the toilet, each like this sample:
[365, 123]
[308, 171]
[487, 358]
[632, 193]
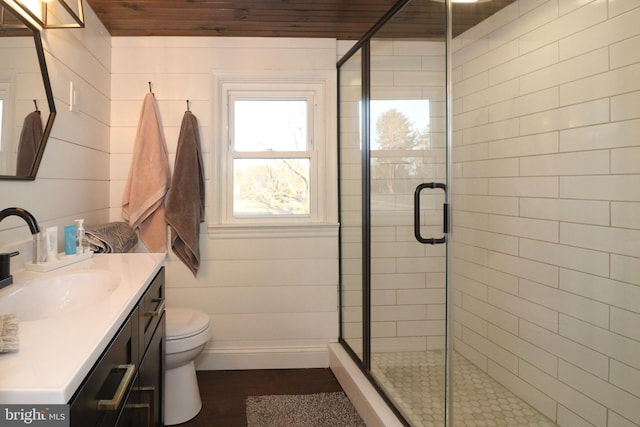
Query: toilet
[187, 334]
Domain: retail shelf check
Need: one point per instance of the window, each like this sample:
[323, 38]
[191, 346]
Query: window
[270, 155]
[276, 164]
[1, 120]
[4, 114]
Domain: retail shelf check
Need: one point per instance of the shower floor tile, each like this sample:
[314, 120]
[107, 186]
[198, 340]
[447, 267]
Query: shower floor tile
[415, 382]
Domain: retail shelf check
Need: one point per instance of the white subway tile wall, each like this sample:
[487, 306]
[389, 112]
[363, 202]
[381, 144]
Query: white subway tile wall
[546, 228]
[410, 275]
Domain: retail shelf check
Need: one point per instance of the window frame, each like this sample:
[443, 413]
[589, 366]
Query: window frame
[308, 153]
[319, 89]
[6, 86]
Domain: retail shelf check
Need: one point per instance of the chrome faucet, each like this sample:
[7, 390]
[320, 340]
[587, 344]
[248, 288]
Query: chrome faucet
[31, 222]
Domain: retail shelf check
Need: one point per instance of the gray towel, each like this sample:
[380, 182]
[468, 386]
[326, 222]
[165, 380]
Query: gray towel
[185, 201]
[30, 137]
[112, 237]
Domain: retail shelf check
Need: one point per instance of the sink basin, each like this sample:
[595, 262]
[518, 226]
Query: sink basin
[55, 294]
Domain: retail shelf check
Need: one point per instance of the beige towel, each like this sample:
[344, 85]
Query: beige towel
[185, 202]
[149, 177]
[30, 137]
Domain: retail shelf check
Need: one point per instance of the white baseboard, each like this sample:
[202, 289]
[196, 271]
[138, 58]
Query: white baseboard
[263, 358]
[372, 408]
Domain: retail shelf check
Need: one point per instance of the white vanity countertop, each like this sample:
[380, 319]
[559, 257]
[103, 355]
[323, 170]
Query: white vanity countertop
[55, 354]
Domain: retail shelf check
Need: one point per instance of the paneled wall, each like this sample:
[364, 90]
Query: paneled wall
[546, 226]
[73, 179]
[271, 295]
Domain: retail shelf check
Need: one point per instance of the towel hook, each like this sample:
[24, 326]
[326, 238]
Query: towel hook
[150, 91]
[35, 102]
[188, 109]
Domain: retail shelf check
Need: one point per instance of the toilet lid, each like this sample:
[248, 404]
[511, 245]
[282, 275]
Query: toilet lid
[184, 322]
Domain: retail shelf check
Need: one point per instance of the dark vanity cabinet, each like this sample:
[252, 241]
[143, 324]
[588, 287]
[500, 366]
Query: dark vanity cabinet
[147, 404]
[126, 385]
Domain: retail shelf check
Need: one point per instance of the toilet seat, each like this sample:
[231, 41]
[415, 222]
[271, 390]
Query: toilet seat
[184, 323]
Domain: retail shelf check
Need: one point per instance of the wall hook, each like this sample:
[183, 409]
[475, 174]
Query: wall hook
[35, 102]
[150, 91]
[188, 109]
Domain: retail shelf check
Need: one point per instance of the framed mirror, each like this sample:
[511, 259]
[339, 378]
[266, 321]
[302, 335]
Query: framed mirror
[27, 108]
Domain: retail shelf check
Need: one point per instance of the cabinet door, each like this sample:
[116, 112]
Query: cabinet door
[151, 310]
[145, 406]
[132, 412]
[150, 388]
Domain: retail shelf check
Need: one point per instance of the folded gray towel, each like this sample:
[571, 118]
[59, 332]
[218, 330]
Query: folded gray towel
[112, 237]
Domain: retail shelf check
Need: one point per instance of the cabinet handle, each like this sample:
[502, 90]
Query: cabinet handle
[151, 405]
[159, 309]
[113, 403]
[142, 406]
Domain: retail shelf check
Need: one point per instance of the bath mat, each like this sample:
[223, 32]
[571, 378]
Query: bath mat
[302, 410]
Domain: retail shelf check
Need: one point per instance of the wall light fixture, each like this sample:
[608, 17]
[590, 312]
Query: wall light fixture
[48, 14]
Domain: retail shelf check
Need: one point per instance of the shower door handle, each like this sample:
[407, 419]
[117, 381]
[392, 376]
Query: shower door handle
[416, 214]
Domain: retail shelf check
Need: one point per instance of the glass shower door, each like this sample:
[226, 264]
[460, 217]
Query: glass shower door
[351, 235]
[408, 278]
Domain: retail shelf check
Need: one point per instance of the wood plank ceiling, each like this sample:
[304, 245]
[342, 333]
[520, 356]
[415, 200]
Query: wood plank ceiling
[340, 19]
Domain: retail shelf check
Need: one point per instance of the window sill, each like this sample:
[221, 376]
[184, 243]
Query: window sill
[266, 231]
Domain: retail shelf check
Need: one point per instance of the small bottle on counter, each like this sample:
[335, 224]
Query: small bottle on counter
[52, 243]
[80, 236]
[70, 240]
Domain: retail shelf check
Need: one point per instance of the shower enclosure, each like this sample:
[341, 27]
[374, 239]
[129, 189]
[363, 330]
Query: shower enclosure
[490, 211]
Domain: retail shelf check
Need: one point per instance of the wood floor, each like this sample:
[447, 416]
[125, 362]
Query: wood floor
[224, 393]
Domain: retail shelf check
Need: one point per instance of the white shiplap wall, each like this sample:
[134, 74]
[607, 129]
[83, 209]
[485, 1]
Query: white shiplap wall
[73, 180]
[546, 234]
[272, 299]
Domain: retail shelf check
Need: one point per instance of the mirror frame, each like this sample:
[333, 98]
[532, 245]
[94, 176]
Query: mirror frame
[46, 130]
